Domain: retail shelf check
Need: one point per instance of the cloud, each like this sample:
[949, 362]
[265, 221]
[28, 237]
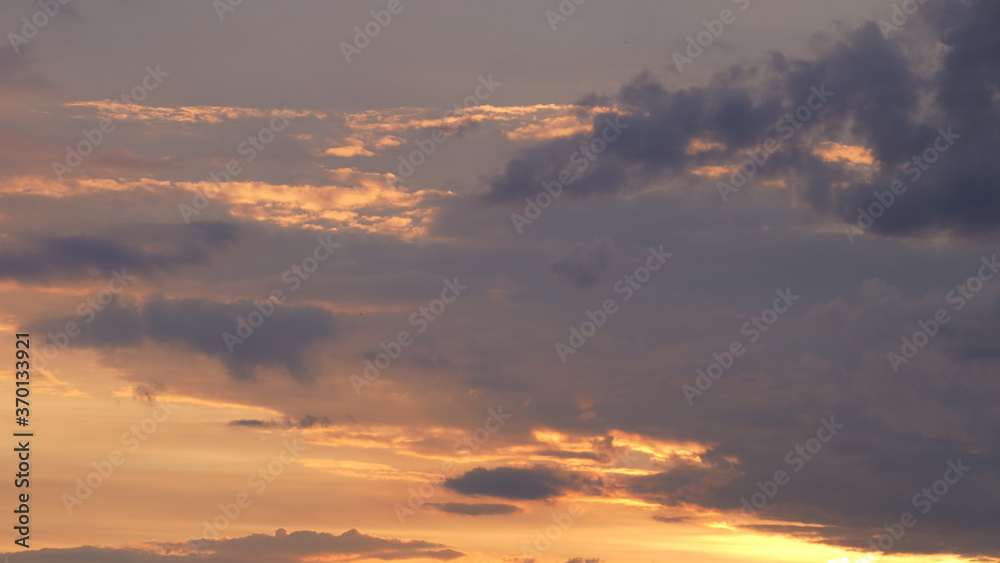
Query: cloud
[671, 519]
[281, 547]
[658, 129]
[147, 393]
[685, 483]
[890, 100]
[895, 96]
[287, 422]
[484, 509]
[534, 483]
[282, 341]
[827, 354]
[143, 250]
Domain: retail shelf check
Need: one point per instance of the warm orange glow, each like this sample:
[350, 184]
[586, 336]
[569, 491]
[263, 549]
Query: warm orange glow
[190, 114]
[849, 154]
[700, 145]
[712, 171]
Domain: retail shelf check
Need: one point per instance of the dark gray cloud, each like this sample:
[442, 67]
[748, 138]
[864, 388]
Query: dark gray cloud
[478, 509]
[536, 483]
[882, 469]
[655, 131]
[281, 341]
[670, 519]
[287, 422]
[137, 250]
[198, 325]
[894, 96]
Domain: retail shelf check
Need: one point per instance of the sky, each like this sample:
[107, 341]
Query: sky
[551, 281]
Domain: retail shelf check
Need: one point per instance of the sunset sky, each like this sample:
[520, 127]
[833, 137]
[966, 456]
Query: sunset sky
[531, 281]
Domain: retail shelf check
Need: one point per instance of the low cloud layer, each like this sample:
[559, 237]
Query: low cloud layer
[281, 547]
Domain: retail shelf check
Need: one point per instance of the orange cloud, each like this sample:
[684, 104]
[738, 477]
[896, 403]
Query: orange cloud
[712, 171]
[850, 154]
[185, 114]
[700, 145]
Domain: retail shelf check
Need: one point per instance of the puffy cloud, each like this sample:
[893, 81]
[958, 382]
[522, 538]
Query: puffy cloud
[535, 483]
[890, 100]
